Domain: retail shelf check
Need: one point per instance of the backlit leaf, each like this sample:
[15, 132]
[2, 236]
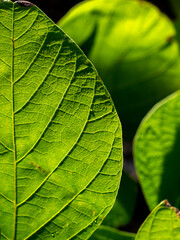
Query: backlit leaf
[60, 137]
[162, 223]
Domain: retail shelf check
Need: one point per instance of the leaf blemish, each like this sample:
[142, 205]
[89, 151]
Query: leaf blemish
[25, 3]
[167, 204]
[177, 211]
[170, 39]
[99, 78]
[37, 167]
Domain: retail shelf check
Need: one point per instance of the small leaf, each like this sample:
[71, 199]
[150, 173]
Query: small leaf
[108, 233]
[162, 223]
[157, 152]
[60, 136]
[133, 46]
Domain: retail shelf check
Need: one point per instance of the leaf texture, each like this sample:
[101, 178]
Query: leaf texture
[157, 152]
[162, 223]
[132, 45]
[60, 136]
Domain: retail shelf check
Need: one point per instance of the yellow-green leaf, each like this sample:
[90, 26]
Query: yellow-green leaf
[163, 223]
[60, 136]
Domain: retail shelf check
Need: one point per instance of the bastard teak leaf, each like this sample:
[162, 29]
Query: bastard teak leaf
[157, 152]
[60, 136]
[132, 45]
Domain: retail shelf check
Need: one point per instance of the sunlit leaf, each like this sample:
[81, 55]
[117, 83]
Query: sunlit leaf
[60, 136]
[162, 223]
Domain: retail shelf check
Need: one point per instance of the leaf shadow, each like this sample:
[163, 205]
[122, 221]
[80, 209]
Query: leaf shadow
[169, 186]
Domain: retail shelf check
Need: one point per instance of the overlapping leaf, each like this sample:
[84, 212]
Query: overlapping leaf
[60, 137]
[157, 152]
[133, 47]
[162, 223]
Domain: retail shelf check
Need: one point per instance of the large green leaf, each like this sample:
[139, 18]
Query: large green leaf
[124, 206]
[132, 45]
[163, 223]
[60, 136]
[108, 233]
[157, 152]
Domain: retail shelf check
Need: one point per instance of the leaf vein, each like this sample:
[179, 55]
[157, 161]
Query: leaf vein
[69, 202]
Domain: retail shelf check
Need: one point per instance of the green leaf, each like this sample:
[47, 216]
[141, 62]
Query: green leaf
[108, 233]
[162, 223]
[132, 45]
[60, 136]
[157, 152]
[123, 209]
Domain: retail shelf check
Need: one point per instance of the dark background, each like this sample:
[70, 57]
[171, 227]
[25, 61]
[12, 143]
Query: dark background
[55, 9]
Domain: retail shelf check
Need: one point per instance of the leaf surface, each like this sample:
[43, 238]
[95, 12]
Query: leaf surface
[162, 223]
[157, 152]
[60, 136]
[108, 233]
[133, 46]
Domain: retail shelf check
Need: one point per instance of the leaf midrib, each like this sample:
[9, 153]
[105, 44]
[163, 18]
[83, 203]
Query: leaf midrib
[13, 127]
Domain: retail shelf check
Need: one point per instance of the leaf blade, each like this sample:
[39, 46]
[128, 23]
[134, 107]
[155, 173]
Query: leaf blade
[66, 130]
[158, 136]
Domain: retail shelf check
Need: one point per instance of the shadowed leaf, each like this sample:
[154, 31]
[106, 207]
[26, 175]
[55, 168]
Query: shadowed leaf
[133, 46]
[157, 152]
